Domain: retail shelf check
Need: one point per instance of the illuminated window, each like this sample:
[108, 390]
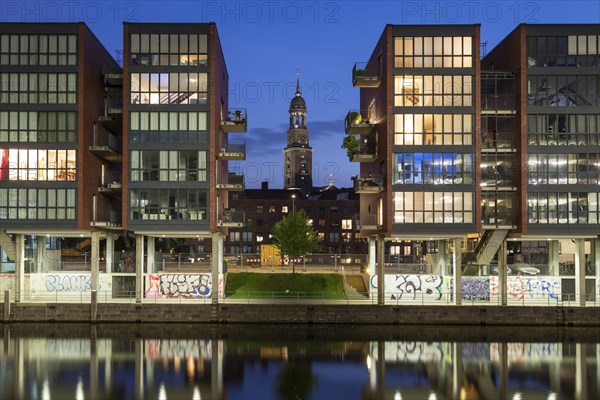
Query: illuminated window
[433, 207]
[436, 52]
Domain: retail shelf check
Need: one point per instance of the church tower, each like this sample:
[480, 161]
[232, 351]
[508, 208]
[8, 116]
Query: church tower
[297, 156]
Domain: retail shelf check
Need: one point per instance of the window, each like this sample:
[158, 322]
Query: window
[38, 88]
[38, 126]
[321, 222]
[334, 236]
[439, 90]
[284, 209]
[259, 209]
[563, 90]
[346, 224]
[433, 207]
[169, 49]
[260, 237]
[271, 209]
[433, 52]
[168, 166]
[37, 165]
[433, 168]
[563, 51]
[563, 129]
[347, 237]
[169, 88]
[38, 50]
[334, 209]
[31, 204]
[561, 169]
[234, 236]
[433, 129]
[563, 208]
[168, 204]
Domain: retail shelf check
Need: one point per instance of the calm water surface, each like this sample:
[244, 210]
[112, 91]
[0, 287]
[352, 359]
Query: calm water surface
[63, 361]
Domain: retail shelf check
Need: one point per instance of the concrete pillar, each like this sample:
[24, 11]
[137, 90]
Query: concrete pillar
[6, 305]
[216, 265]
[381, 369]
[110, 252]
[457, 261]
[139, 267]
[581, 371]
[553, 258]
[95, 260]
[502, 275]
[442, 260]
[595, 259]
[580, 271]
[20, 367]
[41, 254]
[380, 269]
[94, 370]
[20, 268]
[372, 254]
[150, 257]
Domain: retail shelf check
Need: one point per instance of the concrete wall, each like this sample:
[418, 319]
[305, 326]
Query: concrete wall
[308, 314]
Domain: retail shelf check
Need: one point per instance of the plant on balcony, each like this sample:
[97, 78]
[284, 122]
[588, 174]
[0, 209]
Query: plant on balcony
[355, 117]
[359, 72]
[351, 144]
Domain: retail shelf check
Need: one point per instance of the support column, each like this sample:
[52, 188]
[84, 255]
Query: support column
[216, 265]
[372, 254]
[94, 364]
[580, 271]
[110, 252]
[553, 258]
[442, 257]
[380, 369]
[150, 268]
[216, 368]
[139, 364]
[595, 258]
[139, 267]
[457, 261]
[502, 275]
[20, 268]
[380, 269]
[95, 260]
[41, 254]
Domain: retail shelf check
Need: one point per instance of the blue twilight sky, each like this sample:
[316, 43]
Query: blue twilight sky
[265, 41]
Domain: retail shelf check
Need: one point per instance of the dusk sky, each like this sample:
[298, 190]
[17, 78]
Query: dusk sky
[266, 41]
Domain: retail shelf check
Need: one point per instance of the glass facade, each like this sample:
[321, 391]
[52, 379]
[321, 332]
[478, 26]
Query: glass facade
[433, 127]
[563, 169]
[169, 107]
[38, 127]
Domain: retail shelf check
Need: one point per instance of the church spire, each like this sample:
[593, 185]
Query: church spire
[298, 92]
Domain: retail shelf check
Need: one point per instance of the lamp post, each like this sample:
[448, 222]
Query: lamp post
[293, 203]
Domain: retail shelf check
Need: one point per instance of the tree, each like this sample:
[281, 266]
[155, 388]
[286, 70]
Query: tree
[294, 237]
[351, 144]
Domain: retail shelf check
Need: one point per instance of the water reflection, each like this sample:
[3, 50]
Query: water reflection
[146, 361]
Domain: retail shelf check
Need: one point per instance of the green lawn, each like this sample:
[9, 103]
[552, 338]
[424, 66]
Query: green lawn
[244, 285]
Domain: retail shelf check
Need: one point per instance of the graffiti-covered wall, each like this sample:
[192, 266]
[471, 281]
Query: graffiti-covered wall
[64, 283]
[475, 288]
[179, 285]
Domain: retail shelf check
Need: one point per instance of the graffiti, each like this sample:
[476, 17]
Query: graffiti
[413, 352]
[68, 283]
[411, 286]
[472, 352]
[475, 288]
[528, 352]
[179, 285]
[158, 349]
[521, 287]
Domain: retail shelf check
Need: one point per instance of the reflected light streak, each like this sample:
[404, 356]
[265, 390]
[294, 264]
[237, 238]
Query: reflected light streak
[196, 394]
[79, 395]
[397, 396]
[162, 392]
[46, 390]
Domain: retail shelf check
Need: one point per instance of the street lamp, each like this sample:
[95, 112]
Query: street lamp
[293, 203]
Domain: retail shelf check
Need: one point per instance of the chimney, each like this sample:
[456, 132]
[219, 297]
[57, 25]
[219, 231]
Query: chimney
[264, 185]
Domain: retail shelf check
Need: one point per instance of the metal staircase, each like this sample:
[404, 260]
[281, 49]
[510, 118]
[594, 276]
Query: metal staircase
[486, 248]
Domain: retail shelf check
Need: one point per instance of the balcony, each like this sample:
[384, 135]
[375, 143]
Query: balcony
[106, 218]
[364, 75]
[111, 185]
[236, 121]
[114, 79]
[231, 218]
[358, 122]
[498, 104]
[233, 151]
[366, 184]
[368, 222]
[366, 150]
[106, 145]
[231, 181]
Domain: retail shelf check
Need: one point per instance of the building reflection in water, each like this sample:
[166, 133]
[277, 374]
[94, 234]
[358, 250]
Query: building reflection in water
[35, 367]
